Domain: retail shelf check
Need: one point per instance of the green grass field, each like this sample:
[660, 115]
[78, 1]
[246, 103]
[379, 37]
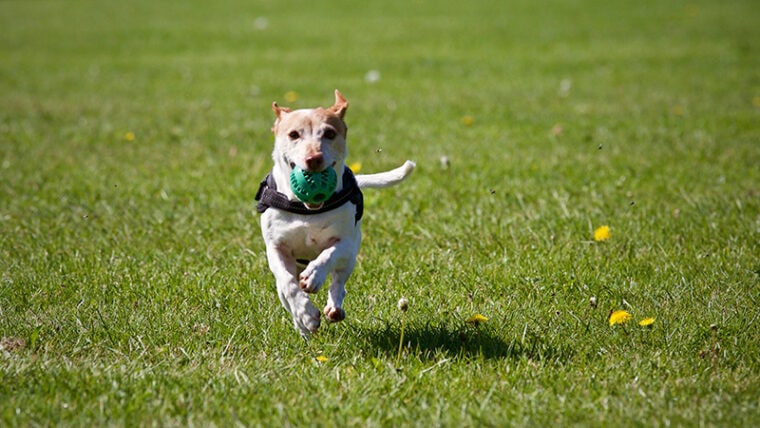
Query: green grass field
[134, 287]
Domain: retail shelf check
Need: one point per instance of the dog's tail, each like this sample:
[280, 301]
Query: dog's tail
[387, 178]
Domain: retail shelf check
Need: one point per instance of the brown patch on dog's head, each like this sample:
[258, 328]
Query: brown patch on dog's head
[333, 115]
[311, 139]
[331, 118]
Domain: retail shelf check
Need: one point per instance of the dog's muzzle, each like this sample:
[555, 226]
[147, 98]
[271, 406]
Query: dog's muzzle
[313, 188]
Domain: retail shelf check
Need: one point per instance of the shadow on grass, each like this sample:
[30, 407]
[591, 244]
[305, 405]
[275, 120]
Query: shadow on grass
[429, 341]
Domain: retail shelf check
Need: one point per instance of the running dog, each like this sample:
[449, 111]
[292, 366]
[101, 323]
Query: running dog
[307, 241]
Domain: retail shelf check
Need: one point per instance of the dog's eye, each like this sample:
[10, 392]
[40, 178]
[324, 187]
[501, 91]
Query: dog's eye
[294, 135]
[329, 133]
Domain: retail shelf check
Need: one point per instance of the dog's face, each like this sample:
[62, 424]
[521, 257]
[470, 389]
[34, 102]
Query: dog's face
[311, 139]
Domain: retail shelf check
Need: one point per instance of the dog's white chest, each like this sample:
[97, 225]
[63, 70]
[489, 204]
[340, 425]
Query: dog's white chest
[307, 236]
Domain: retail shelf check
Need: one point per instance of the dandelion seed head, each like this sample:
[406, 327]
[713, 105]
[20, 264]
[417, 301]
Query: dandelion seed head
[372, 76]
[261, 23]
[445, 162]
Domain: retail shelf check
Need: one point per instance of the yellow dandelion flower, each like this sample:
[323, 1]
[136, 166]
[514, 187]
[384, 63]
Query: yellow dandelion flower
[477, 319]
[619, 317]
[355, 167]
[756, 101]
[129, 136]
[602, 233]
[321, 358]
[291, 96]
[468, 120]
[647, 322]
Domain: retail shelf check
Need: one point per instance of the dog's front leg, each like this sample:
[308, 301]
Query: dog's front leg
[338, 254]
[283, 267]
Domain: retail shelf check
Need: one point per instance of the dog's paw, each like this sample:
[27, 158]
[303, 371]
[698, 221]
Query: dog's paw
[334, 314]
[307, 320]
[311, 279]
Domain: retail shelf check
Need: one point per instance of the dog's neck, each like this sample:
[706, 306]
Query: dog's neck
[269, 195]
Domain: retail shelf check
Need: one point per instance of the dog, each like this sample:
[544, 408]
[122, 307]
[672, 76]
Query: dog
[307, 241]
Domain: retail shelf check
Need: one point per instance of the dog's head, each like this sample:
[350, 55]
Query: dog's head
[312, 139]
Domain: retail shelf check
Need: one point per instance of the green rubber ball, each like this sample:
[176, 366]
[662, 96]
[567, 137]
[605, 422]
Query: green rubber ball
[313, 187]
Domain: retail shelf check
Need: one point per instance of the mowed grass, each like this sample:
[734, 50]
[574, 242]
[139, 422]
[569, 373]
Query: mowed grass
[134, 286]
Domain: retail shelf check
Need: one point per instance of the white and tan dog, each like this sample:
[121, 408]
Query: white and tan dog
[306, 242]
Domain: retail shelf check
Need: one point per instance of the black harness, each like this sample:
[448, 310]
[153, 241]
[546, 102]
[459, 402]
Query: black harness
[269, 197]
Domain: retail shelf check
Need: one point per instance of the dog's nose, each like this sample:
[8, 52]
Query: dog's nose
[314, 162]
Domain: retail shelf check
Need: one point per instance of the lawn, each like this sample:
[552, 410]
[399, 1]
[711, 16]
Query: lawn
[134, 288]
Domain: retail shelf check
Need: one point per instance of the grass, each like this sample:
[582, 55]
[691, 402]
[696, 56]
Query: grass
[134, 287]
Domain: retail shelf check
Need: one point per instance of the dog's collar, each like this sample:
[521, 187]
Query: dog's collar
[269, 197]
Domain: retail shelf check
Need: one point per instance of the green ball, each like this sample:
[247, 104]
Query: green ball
[313, 187]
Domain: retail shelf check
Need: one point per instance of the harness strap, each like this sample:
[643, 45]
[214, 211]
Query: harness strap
[268, 197]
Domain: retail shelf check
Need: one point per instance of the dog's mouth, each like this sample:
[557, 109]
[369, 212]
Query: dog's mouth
[293, 166]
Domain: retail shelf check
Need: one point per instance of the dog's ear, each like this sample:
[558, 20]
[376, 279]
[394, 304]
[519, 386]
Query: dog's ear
[279, 110]
[340, 106]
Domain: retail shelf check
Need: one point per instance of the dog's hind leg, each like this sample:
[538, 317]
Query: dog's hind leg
[334, 308]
